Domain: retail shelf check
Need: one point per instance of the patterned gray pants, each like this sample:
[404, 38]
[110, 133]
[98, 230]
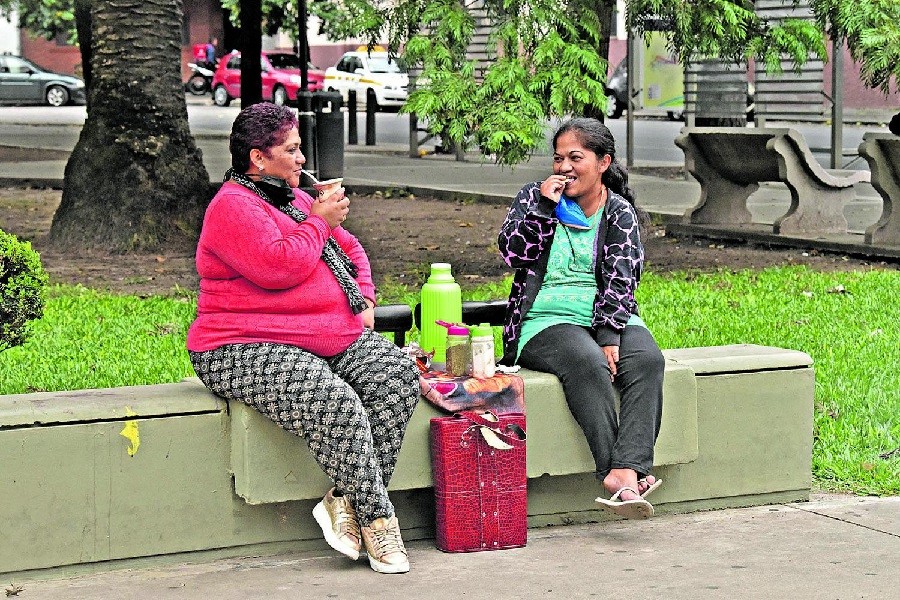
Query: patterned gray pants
[352, 409]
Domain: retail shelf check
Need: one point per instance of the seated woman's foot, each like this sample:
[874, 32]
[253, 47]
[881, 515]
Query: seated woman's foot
[626, 500]
[624, 481]
[336, 517]
[387, 554]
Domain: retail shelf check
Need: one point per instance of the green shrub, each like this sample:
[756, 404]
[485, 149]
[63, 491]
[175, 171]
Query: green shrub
[23, 283]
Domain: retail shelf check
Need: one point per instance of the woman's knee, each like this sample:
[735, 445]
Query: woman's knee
[648, 360]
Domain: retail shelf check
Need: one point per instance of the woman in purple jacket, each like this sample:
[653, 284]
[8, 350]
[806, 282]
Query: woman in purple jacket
[572, 311]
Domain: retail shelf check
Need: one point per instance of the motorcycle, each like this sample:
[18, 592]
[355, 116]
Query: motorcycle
[200, 81]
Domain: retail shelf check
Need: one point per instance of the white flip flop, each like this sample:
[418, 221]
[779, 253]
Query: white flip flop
[629, 509]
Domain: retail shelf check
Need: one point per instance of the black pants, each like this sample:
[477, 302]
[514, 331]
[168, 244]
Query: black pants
[570, 353]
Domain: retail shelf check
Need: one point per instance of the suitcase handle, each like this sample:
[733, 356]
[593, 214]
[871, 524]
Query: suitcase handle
[511, 436]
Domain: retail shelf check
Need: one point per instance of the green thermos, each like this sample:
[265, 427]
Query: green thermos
[441, 300]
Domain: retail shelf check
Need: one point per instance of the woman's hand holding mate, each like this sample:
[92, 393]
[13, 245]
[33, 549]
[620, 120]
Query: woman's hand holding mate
[333, 208]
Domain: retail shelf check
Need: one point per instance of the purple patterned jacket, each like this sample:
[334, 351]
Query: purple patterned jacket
[525, 240]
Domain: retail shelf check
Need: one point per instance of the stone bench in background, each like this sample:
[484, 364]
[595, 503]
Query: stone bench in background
[731, 162]
[170, 472]
[882, 152]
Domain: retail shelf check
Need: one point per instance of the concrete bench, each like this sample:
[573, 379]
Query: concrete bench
[882, 152]
[731, 162]
[129, 476]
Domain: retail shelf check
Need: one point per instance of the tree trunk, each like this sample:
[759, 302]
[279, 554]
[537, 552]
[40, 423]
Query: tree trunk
[135, 180]
[605, 11]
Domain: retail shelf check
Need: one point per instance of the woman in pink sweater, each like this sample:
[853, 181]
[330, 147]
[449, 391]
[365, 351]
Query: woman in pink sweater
[284, 324]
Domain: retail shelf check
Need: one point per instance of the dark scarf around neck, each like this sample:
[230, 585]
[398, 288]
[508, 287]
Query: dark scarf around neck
[280, 195]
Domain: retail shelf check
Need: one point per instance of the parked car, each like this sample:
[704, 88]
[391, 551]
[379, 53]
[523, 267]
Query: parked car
[370, 74]
[617, 91]
[23, 82]
[280, 78]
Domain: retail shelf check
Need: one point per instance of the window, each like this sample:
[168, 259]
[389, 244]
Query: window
[284, 61]
[381, 64]
[17, 65]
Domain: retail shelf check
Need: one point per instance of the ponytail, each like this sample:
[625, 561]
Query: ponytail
[616, 179]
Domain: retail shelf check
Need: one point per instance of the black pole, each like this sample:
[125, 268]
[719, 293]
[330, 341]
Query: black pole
[370, 119]
[251, 52]
[305, 113]
[303, 45]
[352, 135]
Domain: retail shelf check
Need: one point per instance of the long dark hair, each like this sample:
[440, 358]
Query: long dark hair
[596, 137]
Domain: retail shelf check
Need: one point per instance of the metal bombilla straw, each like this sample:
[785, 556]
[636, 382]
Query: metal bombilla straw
[312, 177]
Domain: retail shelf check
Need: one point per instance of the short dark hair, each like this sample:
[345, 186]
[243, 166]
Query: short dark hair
[262, 126]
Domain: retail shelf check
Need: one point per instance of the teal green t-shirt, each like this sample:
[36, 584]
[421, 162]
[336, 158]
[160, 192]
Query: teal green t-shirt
[569, 289]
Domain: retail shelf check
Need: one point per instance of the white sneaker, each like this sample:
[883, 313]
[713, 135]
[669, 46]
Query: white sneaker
[387, 554]
[339, 525]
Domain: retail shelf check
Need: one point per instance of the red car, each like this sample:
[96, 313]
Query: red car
[280, 78]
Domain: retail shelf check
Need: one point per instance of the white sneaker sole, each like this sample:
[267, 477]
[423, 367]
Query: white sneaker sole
[320, 513]
[381, 567]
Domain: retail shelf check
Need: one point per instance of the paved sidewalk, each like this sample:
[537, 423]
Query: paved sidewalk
[839, 547]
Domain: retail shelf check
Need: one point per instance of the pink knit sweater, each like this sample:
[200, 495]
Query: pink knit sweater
[262, 277]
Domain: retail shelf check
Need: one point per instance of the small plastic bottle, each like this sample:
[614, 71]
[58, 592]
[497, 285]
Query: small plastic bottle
[484, 364]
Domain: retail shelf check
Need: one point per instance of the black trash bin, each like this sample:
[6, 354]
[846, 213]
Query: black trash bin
[329, 134]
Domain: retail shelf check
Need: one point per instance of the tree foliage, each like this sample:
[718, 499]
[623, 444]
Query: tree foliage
[730, 30]
[548, 62]
[277, 15]
[47, 18]
[872, 31]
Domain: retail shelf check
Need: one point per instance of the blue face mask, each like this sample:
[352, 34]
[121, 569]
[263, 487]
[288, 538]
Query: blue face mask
[570, 214]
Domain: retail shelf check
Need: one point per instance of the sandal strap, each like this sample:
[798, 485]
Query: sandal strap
[615, 497]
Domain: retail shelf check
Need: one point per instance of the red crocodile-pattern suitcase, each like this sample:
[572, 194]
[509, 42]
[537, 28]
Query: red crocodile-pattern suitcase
[480, 491]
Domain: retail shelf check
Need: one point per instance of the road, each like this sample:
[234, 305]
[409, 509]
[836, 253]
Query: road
[58, 128]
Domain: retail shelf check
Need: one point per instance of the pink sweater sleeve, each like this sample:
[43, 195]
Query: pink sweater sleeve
[244, 234]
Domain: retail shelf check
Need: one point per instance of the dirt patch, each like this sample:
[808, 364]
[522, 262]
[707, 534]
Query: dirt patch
[402, 236]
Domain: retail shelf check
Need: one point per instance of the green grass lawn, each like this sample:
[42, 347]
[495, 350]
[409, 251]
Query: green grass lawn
[849, 322]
